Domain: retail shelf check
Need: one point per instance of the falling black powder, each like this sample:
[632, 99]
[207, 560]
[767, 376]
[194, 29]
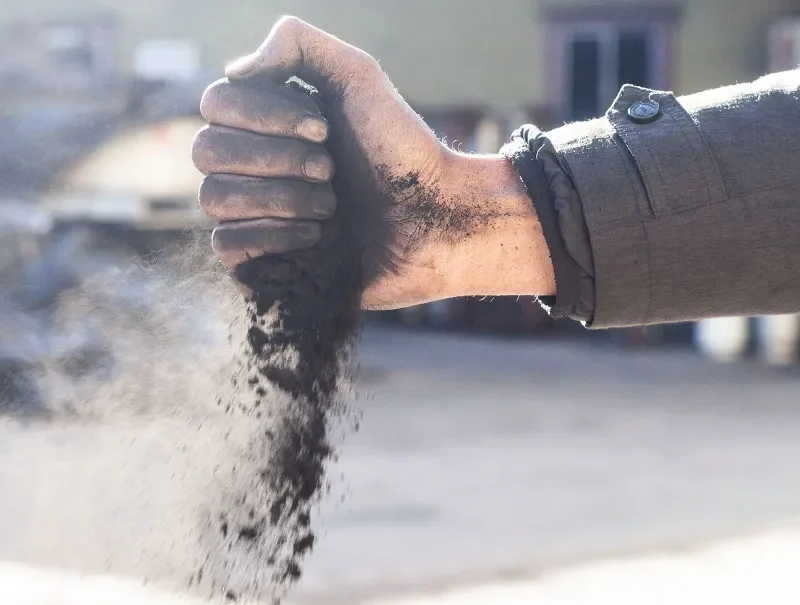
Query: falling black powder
[296, 366]
[302, 323]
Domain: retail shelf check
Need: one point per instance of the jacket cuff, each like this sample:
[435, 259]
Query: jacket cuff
[606, 180]
[559, 212]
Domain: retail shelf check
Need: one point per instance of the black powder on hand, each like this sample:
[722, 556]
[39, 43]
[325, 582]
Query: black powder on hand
[301, 330]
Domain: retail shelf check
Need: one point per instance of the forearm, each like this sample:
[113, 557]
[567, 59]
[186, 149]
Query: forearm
[504, 252]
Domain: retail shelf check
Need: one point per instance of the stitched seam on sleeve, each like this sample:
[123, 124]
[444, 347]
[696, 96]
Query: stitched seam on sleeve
[712, 157]
[634, 173]
[654, 185]
[688, 143]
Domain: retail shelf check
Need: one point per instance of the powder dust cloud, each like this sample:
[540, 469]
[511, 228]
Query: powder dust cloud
[150, 454]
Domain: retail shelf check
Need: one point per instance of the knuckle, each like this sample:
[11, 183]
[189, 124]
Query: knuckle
[212, 98]
[286, 29]
[289, 32]
[201, 150]
[288, 23]
[209, 196]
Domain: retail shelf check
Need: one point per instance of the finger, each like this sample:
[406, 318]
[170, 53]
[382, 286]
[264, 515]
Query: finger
[218, 149]
[295, 48]
[237, 242]
[233, 198]
[275, 110]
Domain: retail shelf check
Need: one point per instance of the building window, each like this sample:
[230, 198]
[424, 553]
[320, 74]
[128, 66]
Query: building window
[593, 53]
[599, 61]
[585, 79]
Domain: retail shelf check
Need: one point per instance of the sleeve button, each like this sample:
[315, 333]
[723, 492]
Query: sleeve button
[644, 111]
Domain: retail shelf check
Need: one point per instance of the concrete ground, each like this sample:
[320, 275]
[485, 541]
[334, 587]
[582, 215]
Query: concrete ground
[540, 472]
[757, 569]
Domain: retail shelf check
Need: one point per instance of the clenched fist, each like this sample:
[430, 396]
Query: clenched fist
[434, 223]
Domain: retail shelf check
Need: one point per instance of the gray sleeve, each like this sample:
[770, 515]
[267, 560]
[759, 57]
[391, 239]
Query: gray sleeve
[695, 213]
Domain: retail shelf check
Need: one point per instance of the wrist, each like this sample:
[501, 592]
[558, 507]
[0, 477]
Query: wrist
[505, 253]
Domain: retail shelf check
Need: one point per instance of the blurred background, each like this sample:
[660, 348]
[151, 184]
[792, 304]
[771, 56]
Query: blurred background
[497, 445]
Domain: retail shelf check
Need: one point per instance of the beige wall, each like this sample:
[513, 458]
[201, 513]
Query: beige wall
[481, 52]
[724, 41]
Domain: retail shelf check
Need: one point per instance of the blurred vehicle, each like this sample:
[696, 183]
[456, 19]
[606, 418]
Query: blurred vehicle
[96, 144]
[140, 178]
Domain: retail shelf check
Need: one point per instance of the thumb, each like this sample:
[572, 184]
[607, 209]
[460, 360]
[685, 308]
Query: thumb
[296, 48]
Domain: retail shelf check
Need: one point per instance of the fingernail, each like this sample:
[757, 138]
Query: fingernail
[318, 167]
[308, 231]
[313, 129]
[244, 65]
[323, 203]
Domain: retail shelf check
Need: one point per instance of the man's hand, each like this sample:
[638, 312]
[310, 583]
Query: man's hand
[435, 223]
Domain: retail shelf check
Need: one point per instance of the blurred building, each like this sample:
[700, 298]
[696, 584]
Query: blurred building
[564, 58]
[475, 69]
